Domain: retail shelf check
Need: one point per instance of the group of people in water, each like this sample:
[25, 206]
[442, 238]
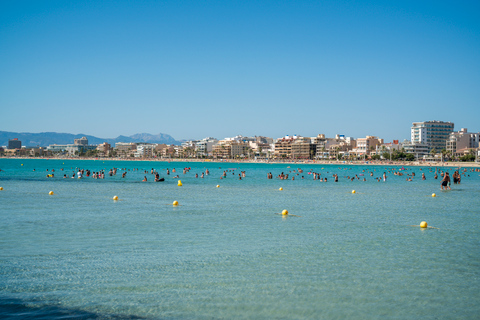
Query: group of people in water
[290, 175]
[445, 182]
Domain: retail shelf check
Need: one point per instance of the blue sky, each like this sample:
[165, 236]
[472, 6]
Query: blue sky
[194, 69]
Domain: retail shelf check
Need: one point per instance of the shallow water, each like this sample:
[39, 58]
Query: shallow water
[224, 253]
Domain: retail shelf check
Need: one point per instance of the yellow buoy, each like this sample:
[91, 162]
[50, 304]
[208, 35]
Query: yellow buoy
[434, 195]
[180, 183]
[1, 188]
[284, 212]
[353, 191]
[423, 224]
[218, 186]
[115, 198]
[280, 188]
[51, 193]
[175, 203]
[22, 164]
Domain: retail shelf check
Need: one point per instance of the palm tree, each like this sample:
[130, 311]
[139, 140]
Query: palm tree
[372, 148]
[449, 154]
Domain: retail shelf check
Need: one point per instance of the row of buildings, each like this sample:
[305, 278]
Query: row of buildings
[429, 139]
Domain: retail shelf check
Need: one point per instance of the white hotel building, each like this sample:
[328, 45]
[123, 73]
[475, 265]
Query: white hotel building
[432, 133]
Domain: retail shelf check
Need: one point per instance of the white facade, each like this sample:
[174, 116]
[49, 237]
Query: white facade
[145, 150]
[462, 140]
[205, 146]
[83, 141]
[416, 148]
[432, 133]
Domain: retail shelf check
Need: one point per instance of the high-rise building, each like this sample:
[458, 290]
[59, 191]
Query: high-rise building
[83, 141]
[432, 133]
[14, 144]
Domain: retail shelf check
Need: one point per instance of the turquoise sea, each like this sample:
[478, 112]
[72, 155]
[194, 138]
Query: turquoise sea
[224, 253]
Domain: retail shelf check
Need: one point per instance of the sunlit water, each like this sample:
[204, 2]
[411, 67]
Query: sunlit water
[224, 253]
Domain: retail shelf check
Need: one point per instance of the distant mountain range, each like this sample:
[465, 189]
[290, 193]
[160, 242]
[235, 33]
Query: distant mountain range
[44, 139]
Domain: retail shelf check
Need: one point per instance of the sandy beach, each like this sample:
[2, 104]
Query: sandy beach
[316, 162]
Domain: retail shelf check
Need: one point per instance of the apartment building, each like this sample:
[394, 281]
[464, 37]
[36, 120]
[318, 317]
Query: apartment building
[460, 142]
[368, 144]
[432, 133]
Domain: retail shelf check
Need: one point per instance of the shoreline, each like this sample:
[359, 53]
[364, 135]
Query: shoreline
[313, 162]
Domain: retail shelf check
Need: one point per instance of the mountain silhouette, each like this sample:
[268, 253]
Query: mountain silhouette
[44, 139]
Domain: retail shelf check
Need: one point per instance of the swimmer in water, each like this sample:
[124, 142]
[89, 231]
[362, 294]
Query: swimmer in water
[446, 182]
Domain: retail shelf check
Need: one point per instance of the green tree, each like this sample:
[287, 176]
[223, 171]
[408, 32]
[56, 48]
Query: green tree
[467, 157]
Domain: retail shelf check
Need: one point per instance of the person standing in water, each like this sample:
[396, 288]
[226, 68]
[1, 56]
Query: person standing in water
[446, 181]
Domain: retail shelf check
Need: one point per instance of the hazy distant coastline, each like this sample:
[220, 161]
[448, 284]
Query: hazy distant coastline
[44, 139]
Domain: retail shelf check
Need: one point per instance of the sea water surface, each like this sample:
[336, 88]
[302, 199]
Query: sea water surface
[225, 253]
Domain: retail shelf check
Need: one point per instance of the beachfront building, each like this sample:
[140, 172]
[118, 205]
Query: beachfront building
[221, 150]
[12, 152]
[331, 147]
[159, 149]
[283, 147]
[419, 150]
[204, 147]
[83, 141]
[239, 150]
[37, 152]
[144, 150]
[432, 133]
[168, 151]
[335, 150]
[263, 140]
[77, 148]
[230, 148]
[14, 144]
[366, 145]
[57, 148]
[125, 149]
[385, 150]
[461, 142]
[104, 149]
[303, 148]
[321, 146]
[188, 149]
[262, 147]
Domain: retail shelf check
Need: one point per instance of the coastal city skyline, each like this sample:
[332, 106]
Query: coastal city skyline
[215, 69]
[140, 137]
[429, 140]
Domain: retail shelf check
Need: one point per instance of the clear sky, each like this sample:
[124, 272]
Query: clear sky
[194, 69]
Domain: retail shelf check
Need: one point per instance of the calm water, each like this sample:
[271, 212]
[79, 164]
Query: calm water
[225, 254]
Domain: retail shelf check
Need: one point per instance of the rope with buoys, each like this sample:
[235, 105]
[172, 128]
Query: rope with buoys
[285, 213]
[424, 225]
